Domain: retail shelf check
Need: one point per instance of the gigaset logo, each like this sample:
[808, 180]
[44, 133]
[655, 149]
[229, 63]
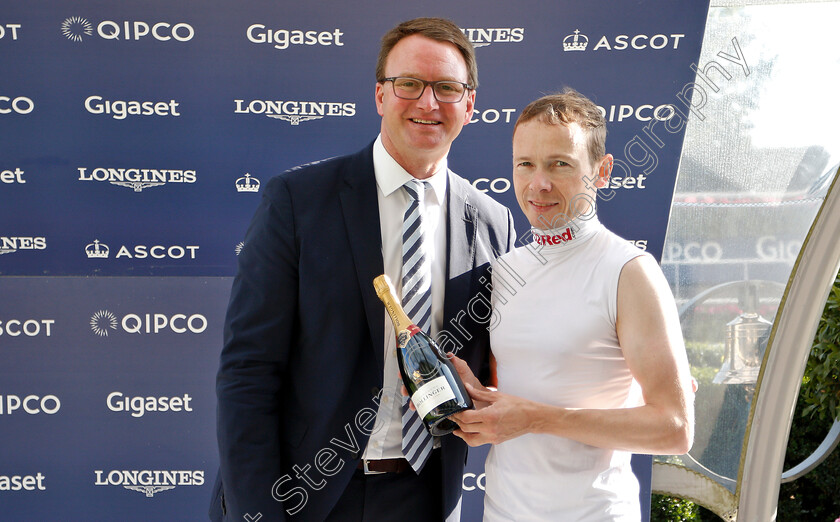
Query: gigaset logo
[283, 38]
[121, 109]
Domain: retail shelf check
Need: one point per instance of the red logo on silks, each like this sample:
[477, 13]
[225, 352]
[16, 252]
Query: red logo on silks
[555, 239]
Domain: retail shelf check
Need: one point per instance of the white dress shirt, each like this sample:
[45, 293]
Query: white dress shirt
[386, 439]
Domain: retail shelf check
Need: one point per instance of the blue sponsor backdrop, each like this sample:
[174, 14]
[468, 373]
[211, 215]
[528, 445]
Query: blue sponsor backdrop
[133, 140]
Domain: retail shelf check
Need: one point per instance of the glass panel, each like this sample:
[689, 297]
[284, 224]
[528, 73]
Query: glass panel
[761, 149]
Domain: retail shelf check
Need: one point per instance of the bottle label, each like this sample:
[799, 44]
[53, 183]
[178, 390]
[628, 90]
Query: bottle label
[431, 395]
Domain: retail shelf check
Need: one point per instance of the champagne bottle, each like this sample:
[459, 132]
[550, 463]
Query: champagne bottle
[429, 376]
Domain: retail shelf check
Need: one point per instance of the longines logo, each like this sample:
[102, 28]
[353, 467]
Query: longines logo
[10, 245]
[485, 37]
[576, 41]
[77, 29]
[104, 322]
[136, 179]
[147, 481]
[283, 38]
[247, 183]
[99, 250]
[295, 112]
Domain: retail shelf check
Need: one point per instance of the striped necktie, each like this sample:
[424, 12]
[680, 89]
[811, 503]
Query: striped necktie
[417, 443]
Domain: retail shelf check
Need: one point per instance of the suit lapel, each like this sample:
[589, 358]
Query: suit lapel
[460, 244]
[360, 208]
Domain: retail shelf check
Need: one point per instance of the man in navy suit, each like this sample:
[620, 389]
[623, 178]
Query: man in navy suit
[309, 414]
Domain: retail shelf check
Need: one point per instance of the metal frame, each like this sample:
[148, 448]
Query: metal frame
[784, 363]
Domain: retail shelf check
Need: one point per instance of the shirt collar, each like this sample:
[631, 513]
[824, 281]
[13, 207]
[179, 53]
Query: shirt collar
[569, 235]
[390, 175]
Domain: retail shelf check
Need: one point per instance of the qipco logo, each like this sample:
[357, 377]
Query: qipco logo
[18, 104]
[103, 322]
[162, 31]
[498, 185]
[31, 404]
[471, 482]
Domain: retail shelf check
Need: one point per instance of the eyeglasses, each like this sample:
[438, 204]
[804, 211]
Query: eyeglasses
[445, 91]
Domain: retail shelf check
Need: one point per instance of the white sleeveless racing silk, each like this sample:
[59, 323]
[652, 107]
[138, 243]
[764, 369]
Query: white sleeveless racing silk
[555, 342]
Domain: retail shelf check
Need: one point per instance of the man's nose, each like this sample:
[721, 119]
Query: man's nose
[427, 100]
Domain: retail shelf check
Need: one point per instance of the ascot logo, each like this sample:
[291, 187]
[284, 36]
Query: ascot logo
[97, 250]
[247, 184]
[295, 112]
[104, 321]
[575, 41]
[12, 30]
[484, 37]
[27, 327]
[147, 481]
[76, 28]
[136, 179]
[10, 245]
[579, 42]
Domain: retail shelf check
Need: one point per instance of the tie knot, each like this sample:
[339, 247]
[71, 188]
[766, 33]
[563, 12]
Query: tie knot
[416, 189]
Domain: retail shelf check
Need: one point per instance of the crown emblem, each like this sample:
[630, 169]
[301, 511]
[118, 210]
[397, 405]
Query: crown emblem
[97, 250]
[247, 184]
[575, 41]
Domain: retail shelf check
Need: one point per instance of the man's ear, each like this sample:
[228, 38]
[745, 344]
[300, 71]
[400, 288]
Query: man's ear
[470, 107]
[604, 171]
[378, 96]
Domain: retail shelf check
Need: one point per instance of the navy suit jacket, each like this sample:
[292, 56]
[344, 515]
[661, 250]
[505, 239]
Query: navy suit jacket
[302, 363]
